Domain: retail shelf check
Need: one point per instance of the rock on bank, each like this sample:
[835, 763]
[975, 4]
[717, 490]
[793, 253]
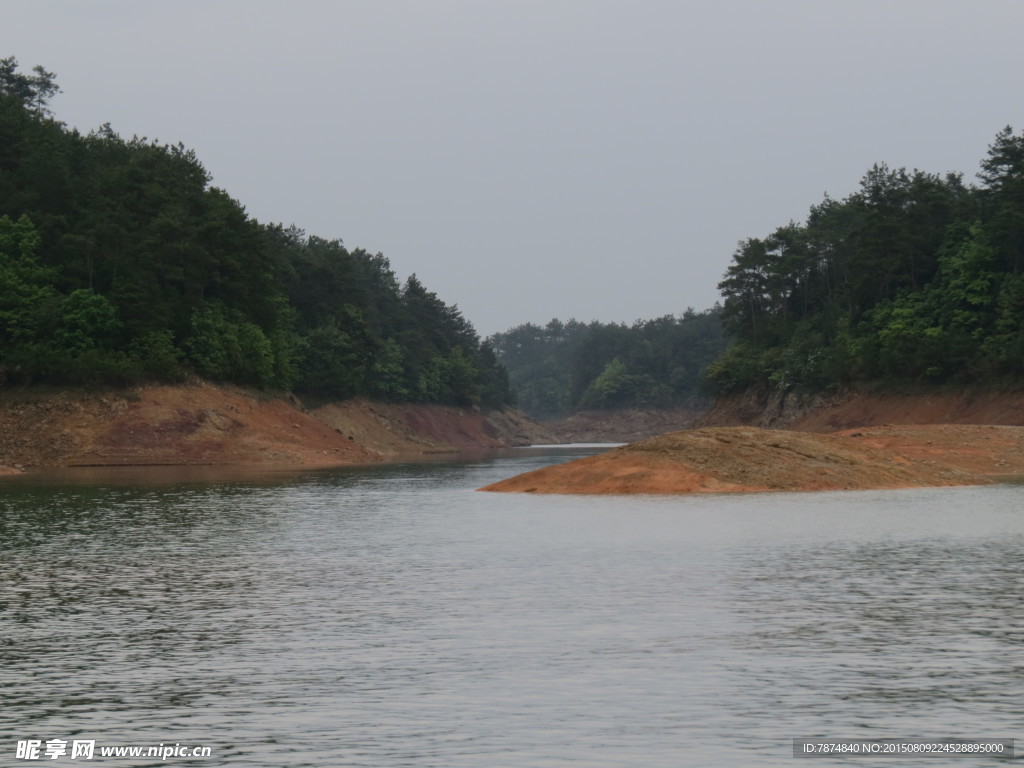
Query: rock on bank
[730, 459]
[206, 424]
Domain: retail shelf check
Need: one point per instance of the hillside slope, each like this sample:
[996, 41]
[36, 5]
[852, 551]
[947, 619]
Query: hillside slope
[201, 423]
[854, 408]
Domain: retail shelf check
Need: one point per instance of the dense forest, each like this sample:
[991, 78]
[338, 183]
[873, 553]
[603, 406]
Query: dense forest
[561, 367]
[913, 278]
[120, 263]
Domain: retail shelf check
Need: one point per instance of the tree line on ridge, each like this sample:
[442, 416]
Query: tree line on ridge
[915, 278]
[120, 263]
[563, 367]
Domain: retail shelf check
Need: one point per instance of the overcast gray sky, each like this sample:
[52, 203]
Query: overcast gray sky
[537, 158]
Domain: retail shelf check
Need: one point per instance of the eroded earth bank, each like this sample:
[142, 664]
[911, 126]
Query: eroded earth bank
[203, 424]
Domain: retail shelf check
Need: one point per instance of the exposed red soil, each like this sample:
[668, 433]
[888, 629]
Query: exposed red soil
[205, 424]
[395, 429]
[849, 409]
[195, 424]
[731, 459]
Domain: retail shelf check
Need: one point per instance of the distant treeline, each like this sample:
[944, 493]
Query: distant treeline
[915, 277]
[119, 263]
[564, 367]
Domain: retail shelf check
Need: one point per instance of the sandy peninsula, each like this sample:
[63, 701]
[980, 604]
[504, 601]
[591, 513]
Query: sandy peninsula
[749, 459]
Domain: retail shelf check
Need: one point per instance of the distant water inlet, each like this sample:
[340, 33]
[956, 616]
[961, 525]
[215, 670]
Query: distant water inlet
[392, 616]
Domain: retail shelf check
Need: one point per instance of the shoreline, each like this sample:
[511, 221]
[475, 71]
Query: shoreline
[202, 424]
[750, 459]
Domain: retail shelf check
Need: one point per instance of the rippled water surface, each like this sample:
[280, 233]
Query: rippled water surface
[394, 617]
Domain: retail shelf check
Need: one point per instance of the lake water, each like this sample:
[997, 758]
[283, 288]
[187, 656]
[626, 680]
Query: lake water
[392, 616]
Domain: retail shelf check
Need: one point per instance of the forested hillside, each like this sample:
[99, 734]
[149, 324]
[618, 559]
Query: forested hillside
[915, 277]
[561, 367]
[120, 263]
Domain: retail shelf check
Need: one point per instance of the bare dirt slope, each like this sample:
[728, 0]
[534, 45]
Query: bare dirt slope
[195, 424]
[750, 459]
[201, 423]
[393, 429]
[849, 409]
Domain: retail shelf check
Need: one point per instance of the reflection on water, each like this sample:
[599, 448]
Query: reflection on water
[390, 615]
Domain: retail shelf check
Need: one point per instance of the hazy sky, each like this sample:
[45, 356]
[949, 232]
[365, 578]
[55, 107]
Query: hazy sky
[539, 158]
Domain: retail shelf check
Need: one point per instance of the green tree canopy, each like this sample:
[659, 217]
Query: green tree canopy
[119, 261]
[563, 367]
[914, 276]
